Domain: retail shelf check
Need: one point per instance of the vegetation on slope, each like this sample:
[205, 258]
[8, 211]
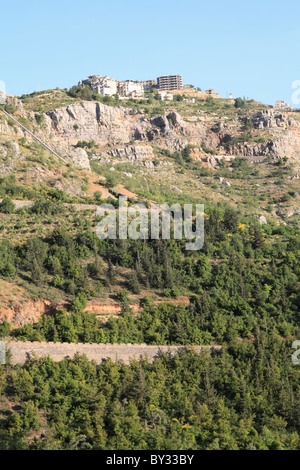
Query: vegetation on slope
[242, 290]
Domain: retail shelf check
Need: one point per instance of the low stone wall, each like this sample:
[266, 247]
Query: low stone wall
[23, 351]
[84, 207]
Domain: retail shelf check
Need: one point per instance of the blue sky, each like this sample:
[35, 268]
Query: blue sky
[249, 49]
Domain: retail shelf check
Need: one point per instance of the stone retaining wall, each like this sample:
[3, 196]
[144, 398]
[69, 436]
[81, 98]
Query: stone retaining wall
[23, 351]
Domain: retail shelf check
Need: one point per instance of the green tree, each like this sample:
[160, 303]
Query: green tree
[79, 303]
[240, 103]
[7, 206]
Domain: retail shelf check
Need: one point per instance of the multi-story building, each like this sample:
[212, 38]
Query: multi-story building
[169, 82]
[130, 89]
[93, 81]
[282, 105]
[148, 84]
[105, 86]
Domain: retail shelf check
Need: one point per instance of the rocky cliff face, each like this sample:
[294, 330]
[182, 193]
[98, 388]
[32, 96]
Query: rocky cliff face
[280, 137]
[91, 121]
[133, 152]
[268, 119]
[285, 143]
[8, 152]
[62, 128]
[285, 134]
[105, 124]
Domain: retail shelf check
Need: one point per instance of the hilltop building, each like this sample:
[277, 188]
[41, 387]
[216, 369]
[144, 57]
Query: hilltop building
[169, 82]
[164, 96]
[104, 86]
[107, 86]
[282, 105]
[148, 84]
[130, 89]
[210, 91]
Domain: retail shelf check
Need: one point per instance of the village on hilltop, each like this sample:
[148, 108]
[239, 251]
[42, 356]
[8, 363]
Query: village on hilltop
[166, 87]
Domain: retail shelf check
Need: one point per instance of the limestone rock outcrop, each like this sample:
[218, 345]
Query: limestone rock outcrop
[88, 120]
[106, 124]
[64, 127]
[133, 152]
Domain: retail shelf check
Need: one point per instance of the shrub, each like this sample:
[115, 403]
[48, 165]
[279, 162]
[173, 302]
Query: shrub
[84, 93]
[83, 143]
[123, 296]
[240, 103]
[79, 303]
[39, 118]
[7, 206]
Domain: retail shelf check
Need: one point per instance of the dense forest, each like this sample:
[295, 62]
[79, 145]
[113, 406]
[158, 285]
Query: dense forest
[243, 290]
[245, 277]
[244, 397]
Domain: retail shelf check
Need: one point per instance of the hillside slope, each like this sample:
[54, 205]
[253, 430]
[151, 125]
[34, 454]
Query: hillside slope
[208, 151]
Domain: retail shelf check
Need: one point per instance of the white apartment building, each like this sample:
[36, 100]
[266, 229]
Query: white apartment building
[107, 86]
[165, 96]
[104, 86]
[130, 89]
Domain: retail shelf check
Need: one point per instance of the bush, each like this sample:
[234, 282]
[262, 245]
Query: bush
[240, 103]
[123, 296]
[209, 150]
[5, 328]
[84, 93]
[44, 206]
[79, 303]
[186, 153]
[7, 206]
[83, 143]
[178, 97]
[172, 292]
[39, 118]
[9, 108]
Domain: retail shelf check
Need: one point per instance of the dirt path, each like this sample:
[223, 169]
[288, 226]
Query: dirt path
[125, 192]
[95, 186]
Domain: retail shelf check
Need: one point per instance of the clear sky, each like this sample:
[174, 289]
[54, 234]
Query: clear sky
[250, 49]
